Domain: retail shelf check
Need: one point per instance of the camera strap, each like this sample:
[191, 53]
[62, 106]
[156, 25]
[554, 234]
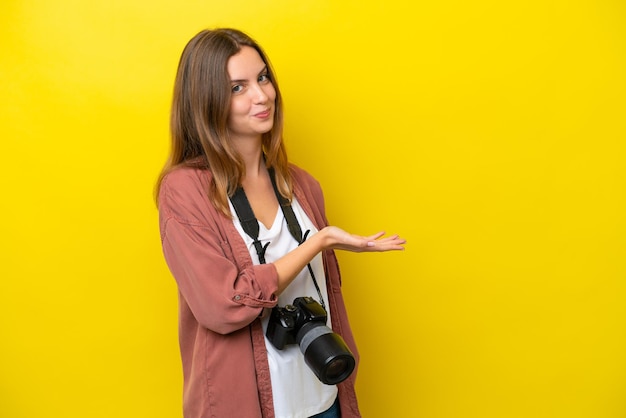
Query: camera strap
[250, 224]
[248, 221]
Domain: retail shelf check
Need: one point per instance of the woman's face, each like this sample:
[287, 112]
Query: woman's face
[253, 96]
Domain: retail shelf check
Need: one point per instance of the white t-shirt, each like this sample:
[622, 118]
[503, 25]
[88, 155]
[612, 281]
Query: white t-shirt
[298, 393]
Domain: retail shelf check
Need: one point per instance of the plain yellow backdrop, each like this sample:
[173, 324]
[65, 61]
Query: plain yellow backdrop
[490, 134]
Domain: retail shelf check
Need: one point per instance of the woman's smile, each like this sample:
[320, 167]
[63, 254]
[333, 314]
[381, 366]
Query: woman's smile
[263, 114]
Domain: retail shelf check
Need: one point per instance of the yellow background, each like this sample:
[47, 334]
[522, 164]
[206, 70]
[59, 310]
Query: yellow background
[491, 134]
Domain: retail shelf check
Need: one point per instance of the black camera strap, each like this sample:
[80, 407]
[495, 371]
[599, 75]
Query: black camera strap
[248, 221]
[250, 224]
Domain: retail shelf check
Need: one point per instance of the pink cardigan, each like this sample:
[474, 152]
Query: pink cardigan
[222, 294]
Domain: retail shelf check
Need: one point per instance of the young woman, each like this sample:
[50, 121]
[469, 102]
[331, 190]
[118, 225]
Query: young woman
[226, 125]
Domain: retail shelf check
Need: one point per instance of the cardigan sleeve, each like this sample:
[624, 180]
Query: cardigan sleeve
[222, 295]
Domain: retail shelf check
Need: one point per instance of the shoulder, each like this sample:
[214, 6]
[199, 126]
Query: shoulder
[186, 183]
[302, 177]
[186, 177]
[306, 188]
[184, 194]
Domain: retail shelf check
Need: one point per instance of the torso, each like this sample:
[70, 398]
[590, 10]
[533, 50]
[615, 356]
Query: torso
[262, 198]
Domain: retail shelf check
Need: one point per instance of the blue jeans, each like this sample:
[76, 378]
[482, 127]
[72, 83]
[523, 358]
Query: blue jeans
[332, 412]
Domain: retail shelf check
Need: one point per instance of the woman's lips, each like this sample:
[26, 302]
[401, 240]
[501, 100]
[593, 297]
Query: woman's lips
[263, 115]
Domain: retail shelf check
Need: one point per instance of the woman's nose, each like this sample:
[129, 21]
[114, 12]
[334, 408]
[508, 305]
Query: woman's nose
[259, 94]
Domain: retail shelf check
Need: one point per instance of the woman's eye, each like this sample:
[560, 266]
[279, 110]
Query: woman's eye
[263, 78]
[236, 88]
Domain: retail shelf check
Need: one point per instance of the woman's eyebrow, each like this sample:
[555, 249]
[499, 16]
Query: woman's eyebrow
[264, 70]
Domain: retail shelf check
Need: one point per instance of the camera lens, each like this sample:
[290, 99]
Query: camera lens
[337, 368]
[325, 353]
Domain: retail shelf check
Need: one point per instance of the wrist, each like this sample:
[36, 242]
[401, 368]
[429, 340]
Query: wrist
[325, 238]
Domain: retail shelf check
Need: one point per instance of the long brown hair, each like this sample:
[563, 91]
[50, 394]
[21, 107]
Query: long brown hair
[199, 117]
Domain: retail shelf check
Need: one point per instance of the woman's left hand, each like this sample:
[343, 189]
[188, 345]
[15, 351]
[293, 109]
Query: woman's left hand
[337, 238]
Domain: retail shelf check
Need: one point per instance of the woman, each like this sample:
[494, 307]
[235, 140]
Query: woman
[226, 127]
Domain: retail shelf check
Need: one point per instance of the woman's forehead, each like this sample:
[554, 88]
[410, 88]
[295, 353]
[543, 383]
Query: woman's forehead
[245, 64]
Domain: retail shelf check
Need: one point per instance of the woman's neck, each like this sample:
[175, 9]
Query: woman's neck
[252, 154]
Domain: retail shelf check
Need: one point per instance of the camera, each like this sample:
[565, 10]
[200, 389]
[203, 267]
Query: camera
[304, 323]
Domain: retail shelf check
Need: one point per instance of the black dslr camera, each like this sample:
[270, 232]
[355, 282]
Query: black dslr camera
[304, 323]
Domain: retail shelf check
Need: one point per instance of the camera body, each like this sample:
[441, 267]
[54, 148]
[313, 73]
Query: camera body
[285, 322]
[304, 323]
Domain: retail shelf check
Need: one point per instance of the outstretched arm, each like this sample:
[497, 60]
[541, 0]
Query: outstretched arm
[331, 238]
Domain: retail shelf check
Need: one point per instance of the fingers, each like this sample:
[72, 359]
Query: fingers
[391, 243]
[375, 236]
[372, 243]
